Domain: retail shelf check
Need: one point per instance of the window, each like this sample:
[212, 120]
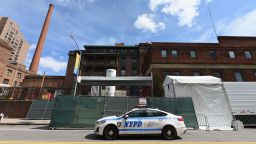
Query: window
[166, 73]
[176, 73]
[123, 51]
[112, 62]
[154, 113]
[212, 54]
[6, 81]
[123, 72]
[134, 51]
[19, 75]
[217, 74]
[134, 69]
[15, 83]
[134, 66]
[134, 59]
[134, 72]
[238, 76]
[9, 72]
[137, 113]
[192, 54]
[174, 53]
[164, 53]
[123, 61]
[231, 54]
[248, 54]
[196, 73]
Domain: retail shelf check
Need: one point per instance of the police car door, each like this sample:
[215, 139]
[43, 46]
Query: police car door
[154, 121]
[133, 124]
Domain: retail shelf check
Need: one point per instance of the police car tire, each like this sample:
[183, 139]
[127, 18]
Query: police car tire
[109, 128]
[167, 129]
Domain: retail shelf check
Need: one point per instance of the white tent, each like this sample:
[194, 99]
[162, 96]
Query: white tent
[210, 101]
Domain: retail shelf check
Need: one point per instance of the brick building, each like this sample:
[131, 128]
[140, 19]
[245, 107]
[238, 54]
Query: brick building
[232, 59]
[13, 52]
[47, 81]
[5, 53]
[11, 73]
[10, 33]
[97, 59]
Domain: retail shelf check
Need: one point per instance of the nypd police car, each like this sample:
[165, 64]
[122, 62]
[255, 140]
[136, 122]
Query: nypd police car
[141, 121]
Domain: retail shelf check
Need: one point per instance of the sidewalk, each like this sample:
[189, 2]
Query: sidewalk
[16, 121]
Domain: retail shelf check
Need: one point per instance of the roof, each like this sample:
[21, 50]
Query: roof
[110, 46]
[191, 80]
[115, 81]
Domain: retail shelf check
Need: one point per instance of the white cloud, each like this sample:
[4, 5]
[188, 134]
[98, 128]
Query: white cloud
[146, 22]
[28, 59]
[54, 64]
[77, 3]
[32, 47]
[91, 1]
[206, 36]
[240, 26]
[208, 1]
[109, 41]
[185, 10]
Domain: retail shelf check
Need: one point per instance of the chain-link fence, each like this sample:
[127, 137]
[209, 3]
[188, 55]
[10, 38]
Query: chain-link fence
[77, 112]
[31, 93]
[83, 111]
[41, 109]
[247, 120]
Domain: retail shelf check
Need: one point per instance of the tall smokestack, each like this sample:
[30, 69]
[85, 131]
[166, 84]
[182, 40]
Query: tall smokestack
[39, 48]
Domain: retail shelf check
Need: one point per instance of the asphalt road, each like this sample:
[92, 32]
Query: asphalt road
[41, 133]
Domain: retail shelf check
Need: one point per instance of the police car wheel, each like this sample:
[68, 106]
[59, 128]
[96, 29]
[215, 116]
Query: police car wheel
[169, 132]
[110, 132]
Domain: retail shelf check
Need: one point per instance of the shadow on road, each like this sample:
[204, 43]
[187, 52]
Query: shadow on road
[130, 137]
[44, 127]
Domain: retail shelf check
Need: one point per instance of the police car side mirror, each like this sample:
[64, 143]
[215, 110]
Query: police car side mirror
[126, 116]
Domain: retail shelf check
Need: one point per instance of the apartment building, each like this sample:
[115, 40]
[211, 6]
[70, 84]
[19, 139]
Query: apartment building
[10, 33]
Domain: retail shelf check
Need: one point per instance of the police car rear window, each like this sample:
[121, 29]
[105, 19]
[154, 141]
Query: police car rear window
[154, 113]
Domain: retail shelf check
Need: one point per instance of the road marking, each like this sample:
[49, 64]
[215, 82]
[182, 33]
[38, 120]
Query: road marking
[118, 142]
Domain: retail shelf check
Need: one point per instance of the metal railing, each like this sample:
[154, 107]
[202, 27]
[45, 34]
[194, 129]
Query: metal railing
[31, 93]
[247, 120]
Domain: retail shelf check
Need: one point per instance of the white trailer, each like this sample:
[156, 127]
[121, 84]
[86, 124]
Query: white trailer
[242, 98]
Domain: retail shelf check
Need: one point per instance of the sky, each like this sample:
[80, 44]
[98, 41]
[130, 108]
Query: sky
[106, 22]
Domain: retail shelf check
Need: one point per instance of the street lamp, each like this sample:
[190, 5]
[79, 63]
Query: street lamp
[77, 64]
[75, 42]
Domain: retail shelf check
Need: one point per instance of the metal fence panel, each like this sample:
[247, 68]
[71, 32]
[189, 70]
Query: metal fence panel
[90, 109]
[178, 106]
[248, 120]
[115, 106]
[41, 109]
[83, 111]
[77, 112]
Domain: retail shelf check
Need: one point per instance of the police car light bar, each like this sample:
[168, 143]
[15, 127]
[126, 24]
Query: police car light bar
[142, 103]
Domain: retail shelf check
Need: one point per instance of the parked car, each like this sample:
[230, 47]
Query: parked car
[141, 121]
